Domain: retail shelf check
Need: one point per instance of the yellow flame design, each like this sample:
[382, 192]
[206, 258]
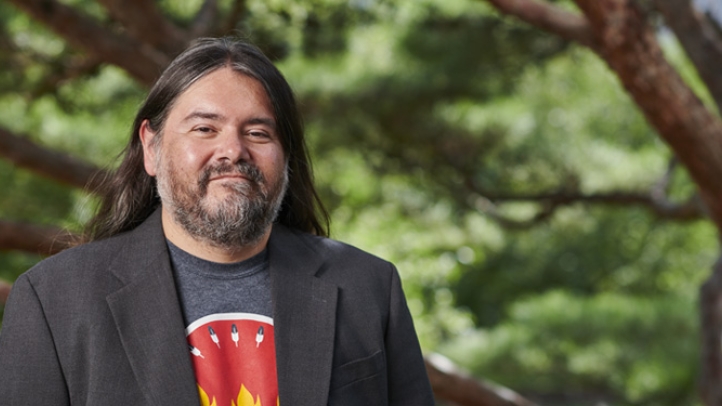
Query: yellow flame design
[245, 398]
[204, 398]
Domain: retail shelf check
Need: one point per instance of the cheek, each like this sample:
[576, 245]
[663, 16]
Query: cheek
[190, 158]
[269, 159]
[181, 163]
[277, 165]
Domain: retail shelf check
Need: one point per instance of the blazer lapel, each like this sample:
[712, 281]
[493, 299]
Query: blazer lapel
[304, 319]
[149, 320]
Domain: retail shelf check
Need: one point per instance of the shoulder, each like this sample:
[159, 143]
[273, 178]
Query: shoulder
[87, 253]
[331, 260]
[331, 250]
[96, 259]
[96, 268]
[82, 263]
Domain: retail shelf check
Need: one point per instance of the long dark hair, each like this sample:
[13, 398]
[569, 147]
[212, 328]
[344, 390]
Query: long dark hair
[129, 194]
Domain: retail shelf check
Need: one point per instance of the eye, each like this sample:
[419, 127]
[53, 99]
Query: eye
[204, 130]
[258, 134]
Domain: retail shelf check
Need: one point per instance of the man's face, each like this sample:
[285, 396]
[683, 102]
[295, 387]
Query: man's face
[220, 166]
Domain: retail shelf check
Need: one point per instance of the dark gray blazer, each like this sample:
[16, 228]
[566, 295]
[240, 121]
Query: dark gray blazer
[101, 324]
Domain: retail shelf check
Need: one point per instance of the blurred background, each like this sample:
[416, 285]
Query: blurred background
[549, 239]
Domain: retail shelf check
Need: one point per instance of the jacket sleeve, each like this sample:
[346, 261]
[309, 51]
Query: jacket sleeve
[407, 380]
[30, 371]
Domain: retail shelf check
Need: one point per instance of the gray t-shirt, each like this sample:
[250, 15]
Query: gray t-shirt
[229, 329]
[206, 287]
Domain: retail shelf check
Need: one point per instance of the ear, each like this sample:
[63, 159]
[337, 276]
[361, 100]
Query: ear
[150, 153]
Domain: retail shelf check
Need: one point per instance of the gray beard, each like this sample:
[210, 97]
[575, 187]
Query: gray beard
[240, 219]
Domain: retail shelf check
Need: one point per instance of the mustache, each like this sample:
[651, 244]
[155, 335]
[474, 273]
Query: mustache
[245, 169]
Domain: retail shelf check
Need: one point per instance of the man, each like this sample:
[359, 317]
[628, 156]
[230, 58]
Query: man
[210, 279]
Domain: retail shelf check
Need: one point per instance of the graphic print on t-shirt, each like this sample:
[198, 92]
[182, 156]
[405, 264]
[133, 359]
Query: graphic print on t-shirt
[234, 359]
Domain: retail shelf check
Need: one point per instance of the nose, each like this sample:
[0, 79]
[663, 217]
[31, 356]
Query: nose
[232, 148]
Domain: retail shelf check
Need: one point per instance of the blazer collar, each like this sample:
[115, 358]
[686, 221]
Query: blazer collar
[304, 317]
[148, 317]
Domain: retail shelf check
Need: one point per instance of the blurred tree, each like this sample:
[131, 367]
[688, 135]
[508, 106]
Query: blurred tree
[453, 106]
[622, 34]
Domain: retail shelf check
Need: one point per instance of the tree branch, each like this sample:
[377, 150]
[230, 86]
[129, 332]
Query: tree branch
[514, 224]
[692, 209]
[237, 11]
[4, 292]
[32, 238]
[548, 17]
[656, 200]
[700, 40]
[695, 134]
[145, 22]
[206, 21]
[449, 383]
[49, 163]
[141, 61]
[629, 46]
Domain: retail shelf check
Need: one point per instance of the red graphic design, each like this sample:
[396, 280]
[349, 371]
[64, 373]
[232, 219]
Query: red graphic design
[234, 359]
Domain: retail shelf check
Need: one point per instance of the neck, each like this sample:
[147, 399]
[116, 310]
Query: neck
[204, 249]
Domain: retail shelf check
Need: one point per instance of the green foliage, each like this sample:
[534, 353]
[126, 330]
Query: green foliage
[588, 252]
[630, 349]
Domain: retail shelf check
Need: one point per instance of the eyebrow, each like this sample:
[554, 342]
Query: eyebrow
[204, 115]
[219, 117]
[263, 120]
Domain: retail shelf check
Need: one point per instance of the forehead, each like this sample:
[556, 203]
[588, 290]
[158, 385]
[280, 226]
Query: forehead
[226, 89]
